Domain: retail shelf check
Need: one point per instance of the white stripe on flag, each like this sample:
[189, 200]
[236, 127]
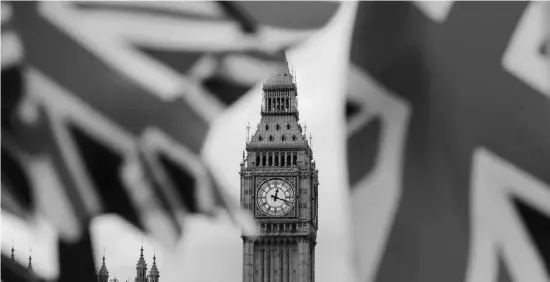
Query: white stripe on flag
[12, 50]
[522, 57]
[497, 230]
[375, 198]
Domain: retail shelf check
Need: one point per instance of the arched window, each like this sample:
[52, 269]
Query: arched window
[276, 162]
[264, 160]
[283, 138]
[295, 160]
[270, 160]
[288, 160]
[267, 127]
[283, 159]
[287, 105]
[260, 138]
[257, 160]
[288, 126]
[278, 127]
[293, 137]
[270, 137]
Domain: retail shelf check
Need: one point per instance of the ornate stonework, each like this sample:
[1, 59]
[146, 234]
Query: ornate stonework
[279, 188]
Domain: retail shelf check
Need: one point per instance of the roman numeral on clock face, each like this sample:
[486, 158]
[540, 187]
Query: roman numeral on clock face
[275, 197]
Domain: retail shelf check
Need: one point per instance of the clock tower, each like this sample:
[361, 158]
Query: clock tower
[279, 189]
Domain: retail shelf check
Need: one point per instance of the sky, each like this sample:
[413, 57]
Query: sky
[211, 248]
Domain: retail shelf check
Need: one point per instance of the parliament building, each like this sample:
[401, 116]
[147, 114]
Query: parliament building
[279, 184]
[141, 271]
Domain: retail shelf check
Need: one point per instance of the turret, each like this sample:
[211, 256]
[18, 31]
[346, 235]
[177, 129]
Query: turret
[103, 274]
[154, 272]
[141, 268]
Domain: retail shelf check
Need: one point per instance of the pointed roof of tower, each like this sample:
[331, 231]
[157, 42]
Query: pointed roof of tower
[103, 272]
[12, 253]
[154, 272]
[283, 79]
[141, 261]
[279, 128]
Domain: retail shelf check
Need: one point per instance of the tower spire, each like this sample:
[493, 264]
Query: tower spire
[141, 268]
[154, 272]
[103, 275]
[29, 267]
[286, 67]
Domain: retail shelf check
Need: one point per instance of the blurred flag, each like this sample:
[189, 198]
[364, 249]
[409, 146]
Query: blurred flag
[449, 141]
[14, 271]
[106, 106]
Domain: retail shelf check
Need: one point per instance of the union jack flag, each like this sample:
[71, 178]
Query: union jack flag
[449, 141]
[106, 106]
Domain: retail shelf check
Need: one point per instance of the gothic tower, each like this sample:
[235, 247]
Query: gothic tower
[154, 272]
[141, 268]
[103, 274]
[279, 188]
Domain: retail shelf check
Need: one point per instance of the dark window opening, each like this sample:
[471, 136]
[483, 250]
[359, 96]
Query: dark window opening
[260, 138]
[295, 160]
[283, 138]
[277, 160]
[278, 126]
[257, 160]
[288, 126]
[287, 104]
[270, 160]
[267, 127]
[293, 137]
[270, 138]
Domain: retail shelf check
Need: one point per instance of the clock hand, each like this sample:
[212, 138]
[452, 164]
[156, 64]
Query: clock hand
[277, 198]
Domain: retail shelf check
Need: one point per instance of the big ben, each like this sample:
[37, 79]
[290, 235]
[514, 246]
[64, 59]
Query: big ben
[279, 189]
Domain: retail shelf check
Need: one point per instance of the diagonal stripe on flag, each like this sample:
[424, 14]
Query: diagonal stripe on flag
[461, 98]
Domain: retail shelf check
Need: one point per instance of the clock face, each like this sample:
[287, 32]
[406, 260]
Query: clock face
[275, 197]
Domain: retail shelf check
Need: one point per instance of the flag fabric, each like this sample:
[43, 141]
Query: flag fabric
[107, 105]
[449, 141]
